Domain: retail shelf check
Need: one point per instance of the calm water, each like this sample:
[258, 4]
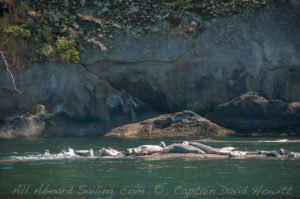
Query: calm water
[137, 178]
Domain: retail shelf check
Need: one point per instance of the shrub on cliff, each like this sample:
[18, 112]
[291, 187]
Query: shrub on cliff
[65, 50]
[25, 38]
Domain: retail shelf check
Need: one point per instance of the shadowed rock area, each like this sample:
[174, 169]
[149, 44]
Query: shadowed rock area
[251, 112]
[138, 78]
[186, 123]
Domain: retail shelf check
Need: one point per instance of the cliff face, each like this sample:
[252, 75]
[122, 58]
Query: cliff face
[158, 73]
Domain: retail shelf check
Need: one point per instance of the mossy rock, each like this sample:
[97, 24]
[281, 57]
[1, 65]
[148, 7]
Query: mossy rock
[38, 108]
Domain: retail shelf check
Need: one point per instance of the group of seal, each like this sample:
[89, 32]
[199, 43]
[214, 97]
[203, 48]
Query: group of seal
[184, 147]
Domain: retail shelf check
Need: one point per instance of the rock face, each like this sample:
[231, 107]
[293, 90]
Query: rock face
[22, 126]
[251, 112]
[82, 103]
[136, 79]
[186, 123]
[31, 125]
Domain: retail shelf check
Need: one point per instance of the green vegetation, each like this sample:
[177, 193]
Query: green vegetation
[65, 50]
[34, 30]
[15, 30]
[45, 35]
[25, 41]
[15, 41]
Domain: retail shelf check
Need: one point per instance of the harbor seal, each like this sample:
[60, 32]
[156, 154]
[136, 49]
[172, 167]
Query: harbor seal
[146, 149]
[89, 153]
[110, 152]
[294, 155]
[182, 148]
[273, 154]
[203, 147]
[47, 152]
[211, 150]
[237, 154]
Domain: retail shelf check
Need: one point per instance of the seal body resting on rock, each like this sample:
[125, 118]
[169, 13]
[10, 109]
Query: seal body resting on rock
[237, 153]
[229, 148]
[269, 154]
[146, 149]
[110, 152]
[47, 152]
[203, 147]
[294, 155]
[274, 154]
[211, 150]
[85, 152]
[182, 148]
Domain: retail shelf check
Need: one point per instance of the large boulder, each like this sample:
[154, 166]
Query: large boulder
[185, 123]
[252, 112]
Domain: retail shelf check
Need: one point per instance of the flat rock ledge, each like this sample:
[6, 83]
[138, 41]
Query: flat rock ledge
[185, 123]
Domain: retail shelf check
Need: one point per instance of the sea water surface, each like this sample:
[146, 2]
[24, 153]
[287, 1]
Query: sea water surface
[26, 172]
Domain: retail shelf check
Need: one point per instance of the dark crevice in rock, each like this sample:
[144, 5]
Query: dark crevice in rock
[125, 62]
[143, 91]
[88, 70]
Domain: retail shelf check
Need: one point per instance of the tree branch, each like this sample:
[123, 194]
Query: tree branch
[11, 75]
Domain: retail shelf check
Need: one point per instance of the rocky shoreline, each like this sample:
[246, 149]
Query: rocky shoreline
[247, 115]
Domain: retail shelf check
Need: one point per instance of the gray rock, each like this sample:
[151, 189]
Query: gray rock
[22, 126]
[251, 112]
[296, 5]
[185, 123]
